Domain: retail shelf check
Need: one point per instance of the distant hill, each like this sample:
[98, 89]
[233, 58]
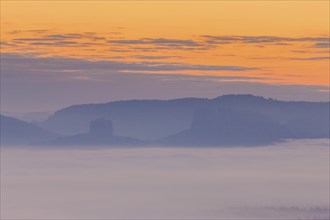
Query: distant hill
[142, 119]
[29, 116]
[227, 118]
[17, 132]
[100, 134]
[223, 126]
[245, 120]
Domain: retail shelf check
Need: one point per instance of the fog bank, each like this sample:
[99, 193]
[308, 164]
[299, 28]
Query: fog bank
[287, 180]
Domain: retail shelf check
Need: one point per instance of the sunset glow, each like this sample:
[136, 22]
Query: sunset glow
[272, 42]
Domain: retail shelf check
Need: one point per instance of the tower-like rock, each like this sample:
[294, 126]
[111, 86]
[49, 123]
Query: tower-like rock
[101, 127]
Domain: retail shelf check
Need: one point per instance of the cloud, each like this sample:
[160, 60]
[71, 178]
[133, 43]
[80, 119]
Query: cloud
[31, 83]
[161, 44]
[64, 36]
[91, 38]
[40, 31]
[299, 51]
[156, 57]
[30, 90]
[62, 64]
[206, 42]
[319, 41]
[290, 58]
[52, 37]
[7, 44]
[51, 42]
[33, 68]
[322, 45]
[56, 43]
[85, 39]
[157, 41]
[28, 39]
[147, 44]
[4, 43]
[310, 58]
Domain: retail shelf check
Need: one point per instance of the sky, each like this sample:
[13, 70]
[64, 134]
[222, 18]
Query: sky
[59, 53]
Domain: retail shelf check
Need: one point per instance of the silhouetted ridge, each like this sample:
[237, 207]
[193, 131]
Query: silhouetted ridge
[225, 120]
[142, 119]
[17, 132]
[240, 97]
[223, 126]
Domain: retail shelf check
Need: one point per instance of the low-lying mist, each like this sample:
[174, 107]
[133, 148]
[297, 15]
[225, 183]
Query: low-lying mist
[289, 180]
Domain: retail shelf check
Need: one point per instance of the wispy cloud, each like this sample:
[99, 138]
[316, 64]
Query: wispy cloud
[36, 31]
[291, 58]
[158, 41]
[52, 37]
[160, 44]
[310, 58]
[29, 82]
[115, 43]
[3, 43]
[156, 57]
[62, 63]
[261, 39]
[322, 45]
[56, 43]
[48, 39]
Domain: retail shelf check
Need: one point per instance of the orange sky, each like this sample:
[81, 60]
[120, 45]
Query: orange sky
[101, 30]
